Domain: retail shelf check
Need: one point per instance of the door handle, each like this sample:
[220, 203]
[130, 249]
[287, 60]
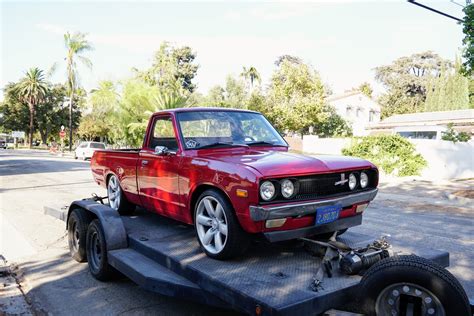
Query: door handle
[144, 162]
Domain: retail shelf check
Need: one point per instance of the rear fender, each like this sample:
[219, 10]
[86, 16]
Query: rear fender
[112, 224]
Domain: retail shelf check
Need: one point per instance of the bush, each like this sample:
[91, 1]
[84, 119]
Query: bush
[453, 136]
[392, 153]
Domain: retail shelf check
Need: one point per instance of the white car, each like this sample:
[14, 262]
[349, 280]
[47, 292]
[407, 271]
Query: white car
[85, 150]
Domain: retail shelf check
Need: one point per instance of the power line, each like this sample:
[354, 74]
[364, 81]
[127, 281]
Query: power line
[434, 10]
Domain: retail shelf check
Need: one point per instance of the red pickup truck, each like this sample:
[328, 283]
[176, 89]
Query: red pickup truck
[229, 173]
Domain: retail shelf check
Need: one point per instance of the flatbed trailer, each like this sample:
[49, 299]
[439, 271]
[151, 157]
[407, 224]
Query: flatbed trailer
[163, 256]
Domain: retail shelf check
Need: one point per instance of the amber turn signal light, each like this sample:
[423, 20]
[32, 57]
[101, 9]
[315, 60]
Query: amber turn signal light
[242, 193]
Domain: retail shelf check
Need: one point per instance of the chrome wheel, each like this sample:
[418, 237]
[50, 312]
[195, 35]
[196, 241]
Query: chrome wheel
[114, 192]
[211, 224]
[408, 299]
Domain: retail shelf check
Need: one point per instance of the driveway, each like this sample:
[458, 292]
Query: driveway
[53, 283]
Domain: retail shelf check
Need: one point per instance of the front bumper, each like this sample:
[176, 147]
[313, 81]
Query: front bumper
[262, 213]
[339, 224]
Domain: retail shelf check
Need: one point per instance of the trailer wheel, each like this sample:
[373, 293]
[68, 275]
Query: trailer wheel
[96, 249]
[411, 285]
[76, 233]
[117, 199]
[217, 228]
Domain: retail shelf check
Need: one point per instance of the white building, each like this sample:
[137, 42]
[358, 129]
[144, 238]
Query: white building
[357, 109]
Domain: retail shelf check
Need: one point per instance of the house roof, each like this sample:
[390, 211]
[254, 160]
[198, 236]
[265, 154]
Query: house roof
[454, 115]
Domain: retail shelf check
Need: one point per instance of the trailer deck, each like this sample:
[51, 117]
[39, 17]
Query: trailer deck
[164, 256]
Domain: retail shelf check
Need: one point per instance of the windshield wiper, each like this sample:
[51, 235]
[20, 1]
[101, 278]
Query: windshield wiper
[221, 144]
[266, 143]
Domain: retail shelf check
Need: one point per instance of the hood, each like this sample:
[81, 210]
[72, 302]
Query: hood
[278, 163]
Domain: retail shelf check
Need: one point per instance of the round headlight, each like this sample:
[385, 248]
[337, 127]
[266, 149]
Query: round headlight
[352, 181]
[287, 188]
[364, 180]
[267, 190]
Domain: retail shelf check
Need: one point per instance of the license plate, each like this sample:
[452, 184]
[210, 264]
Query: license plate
[327, 214]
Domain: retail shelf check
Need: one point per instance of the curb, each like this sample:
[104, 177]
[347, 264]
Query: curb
[410, 198]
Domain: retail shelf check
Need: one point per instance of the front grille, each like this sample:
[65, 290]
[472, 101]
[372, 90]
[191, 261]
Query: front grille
[323, 186]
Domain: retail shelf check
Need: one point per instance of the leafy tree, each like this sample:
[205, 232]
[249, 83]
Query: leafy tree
[216, 96]
[289, 58]
[53, 111]
[76, 45]
[251, 74]
[171, 65]
[468, 29]
[406, 80]
[366, 89]
[32, 90]
[15, 113]
[102, 103]
[449, 91]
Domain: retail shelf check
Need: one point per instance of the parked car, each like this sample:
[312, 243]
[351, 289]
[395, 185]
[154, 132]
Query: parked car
[229, 173]
[86, 149]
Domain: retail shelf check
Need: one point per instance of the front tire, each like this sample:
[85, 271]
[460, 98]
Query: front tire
[116, 197]
[218, 231]
[400, 283]
[96, 249]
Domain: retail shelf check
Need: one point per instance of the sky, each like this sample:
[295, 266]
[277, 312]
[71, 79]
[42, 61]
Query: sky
[343, 40]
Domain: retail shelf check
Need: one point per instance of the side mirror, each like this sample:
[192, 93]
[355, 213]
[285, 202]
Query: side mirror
[161, 150]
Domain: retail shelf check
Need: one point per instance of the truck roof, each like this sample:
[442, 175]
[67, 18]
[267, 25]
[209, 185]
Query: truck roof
[197, 109]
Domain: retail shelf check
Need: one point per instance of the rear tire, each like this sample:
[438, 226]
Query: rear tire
[96, 249]
[217, 228]
[77, 230]
[116, 197]
[389, 284]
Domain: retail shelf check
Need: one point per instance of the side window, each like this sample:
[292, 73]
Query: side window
[163, 134]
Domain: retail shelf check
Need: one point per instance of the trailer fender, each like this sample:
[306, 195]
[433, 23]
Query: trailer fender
[114, 230]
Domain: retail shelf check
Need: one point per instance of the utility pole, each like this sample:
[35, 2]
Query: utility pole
[70, 122]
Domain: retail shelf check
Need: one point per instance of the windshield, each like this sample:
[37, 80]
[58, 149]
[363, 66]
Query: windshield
[226, 128]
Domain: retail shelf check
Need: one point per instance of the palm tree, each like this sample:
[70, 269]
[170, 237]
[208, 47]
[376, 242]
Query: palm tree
[32, 90]
[251, 74]
[76, 44]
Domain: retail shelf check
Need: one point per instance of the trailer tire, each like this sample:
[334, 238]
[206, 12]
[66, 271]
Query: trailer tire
[96, 249]
[392, 282]
[77, 224]
[236, 240]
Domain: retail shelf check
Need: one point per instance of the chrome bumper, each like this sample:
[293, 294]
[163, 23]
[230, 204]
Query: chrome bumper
[262, 213]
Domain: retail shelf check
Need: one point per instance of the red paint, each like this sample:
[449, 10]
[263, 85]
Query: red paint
[165, 184]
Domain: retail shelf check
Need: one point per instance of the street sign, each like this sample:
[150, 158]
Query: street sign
[18, 134]
[62, 134]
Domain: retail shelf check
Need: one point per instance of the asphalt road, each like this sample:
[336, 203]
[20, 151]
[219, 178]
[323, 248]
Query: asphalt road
[55, 284]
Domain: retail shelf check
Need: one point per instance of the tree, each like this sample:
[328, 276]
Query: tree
[406, 80]
[468, 41]
[366, 89]
[53, 111]
[251, 74]
[171, 65]
[289, 58]
[76, 45]
[32, 90]
[449, 91]
[15, 112]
